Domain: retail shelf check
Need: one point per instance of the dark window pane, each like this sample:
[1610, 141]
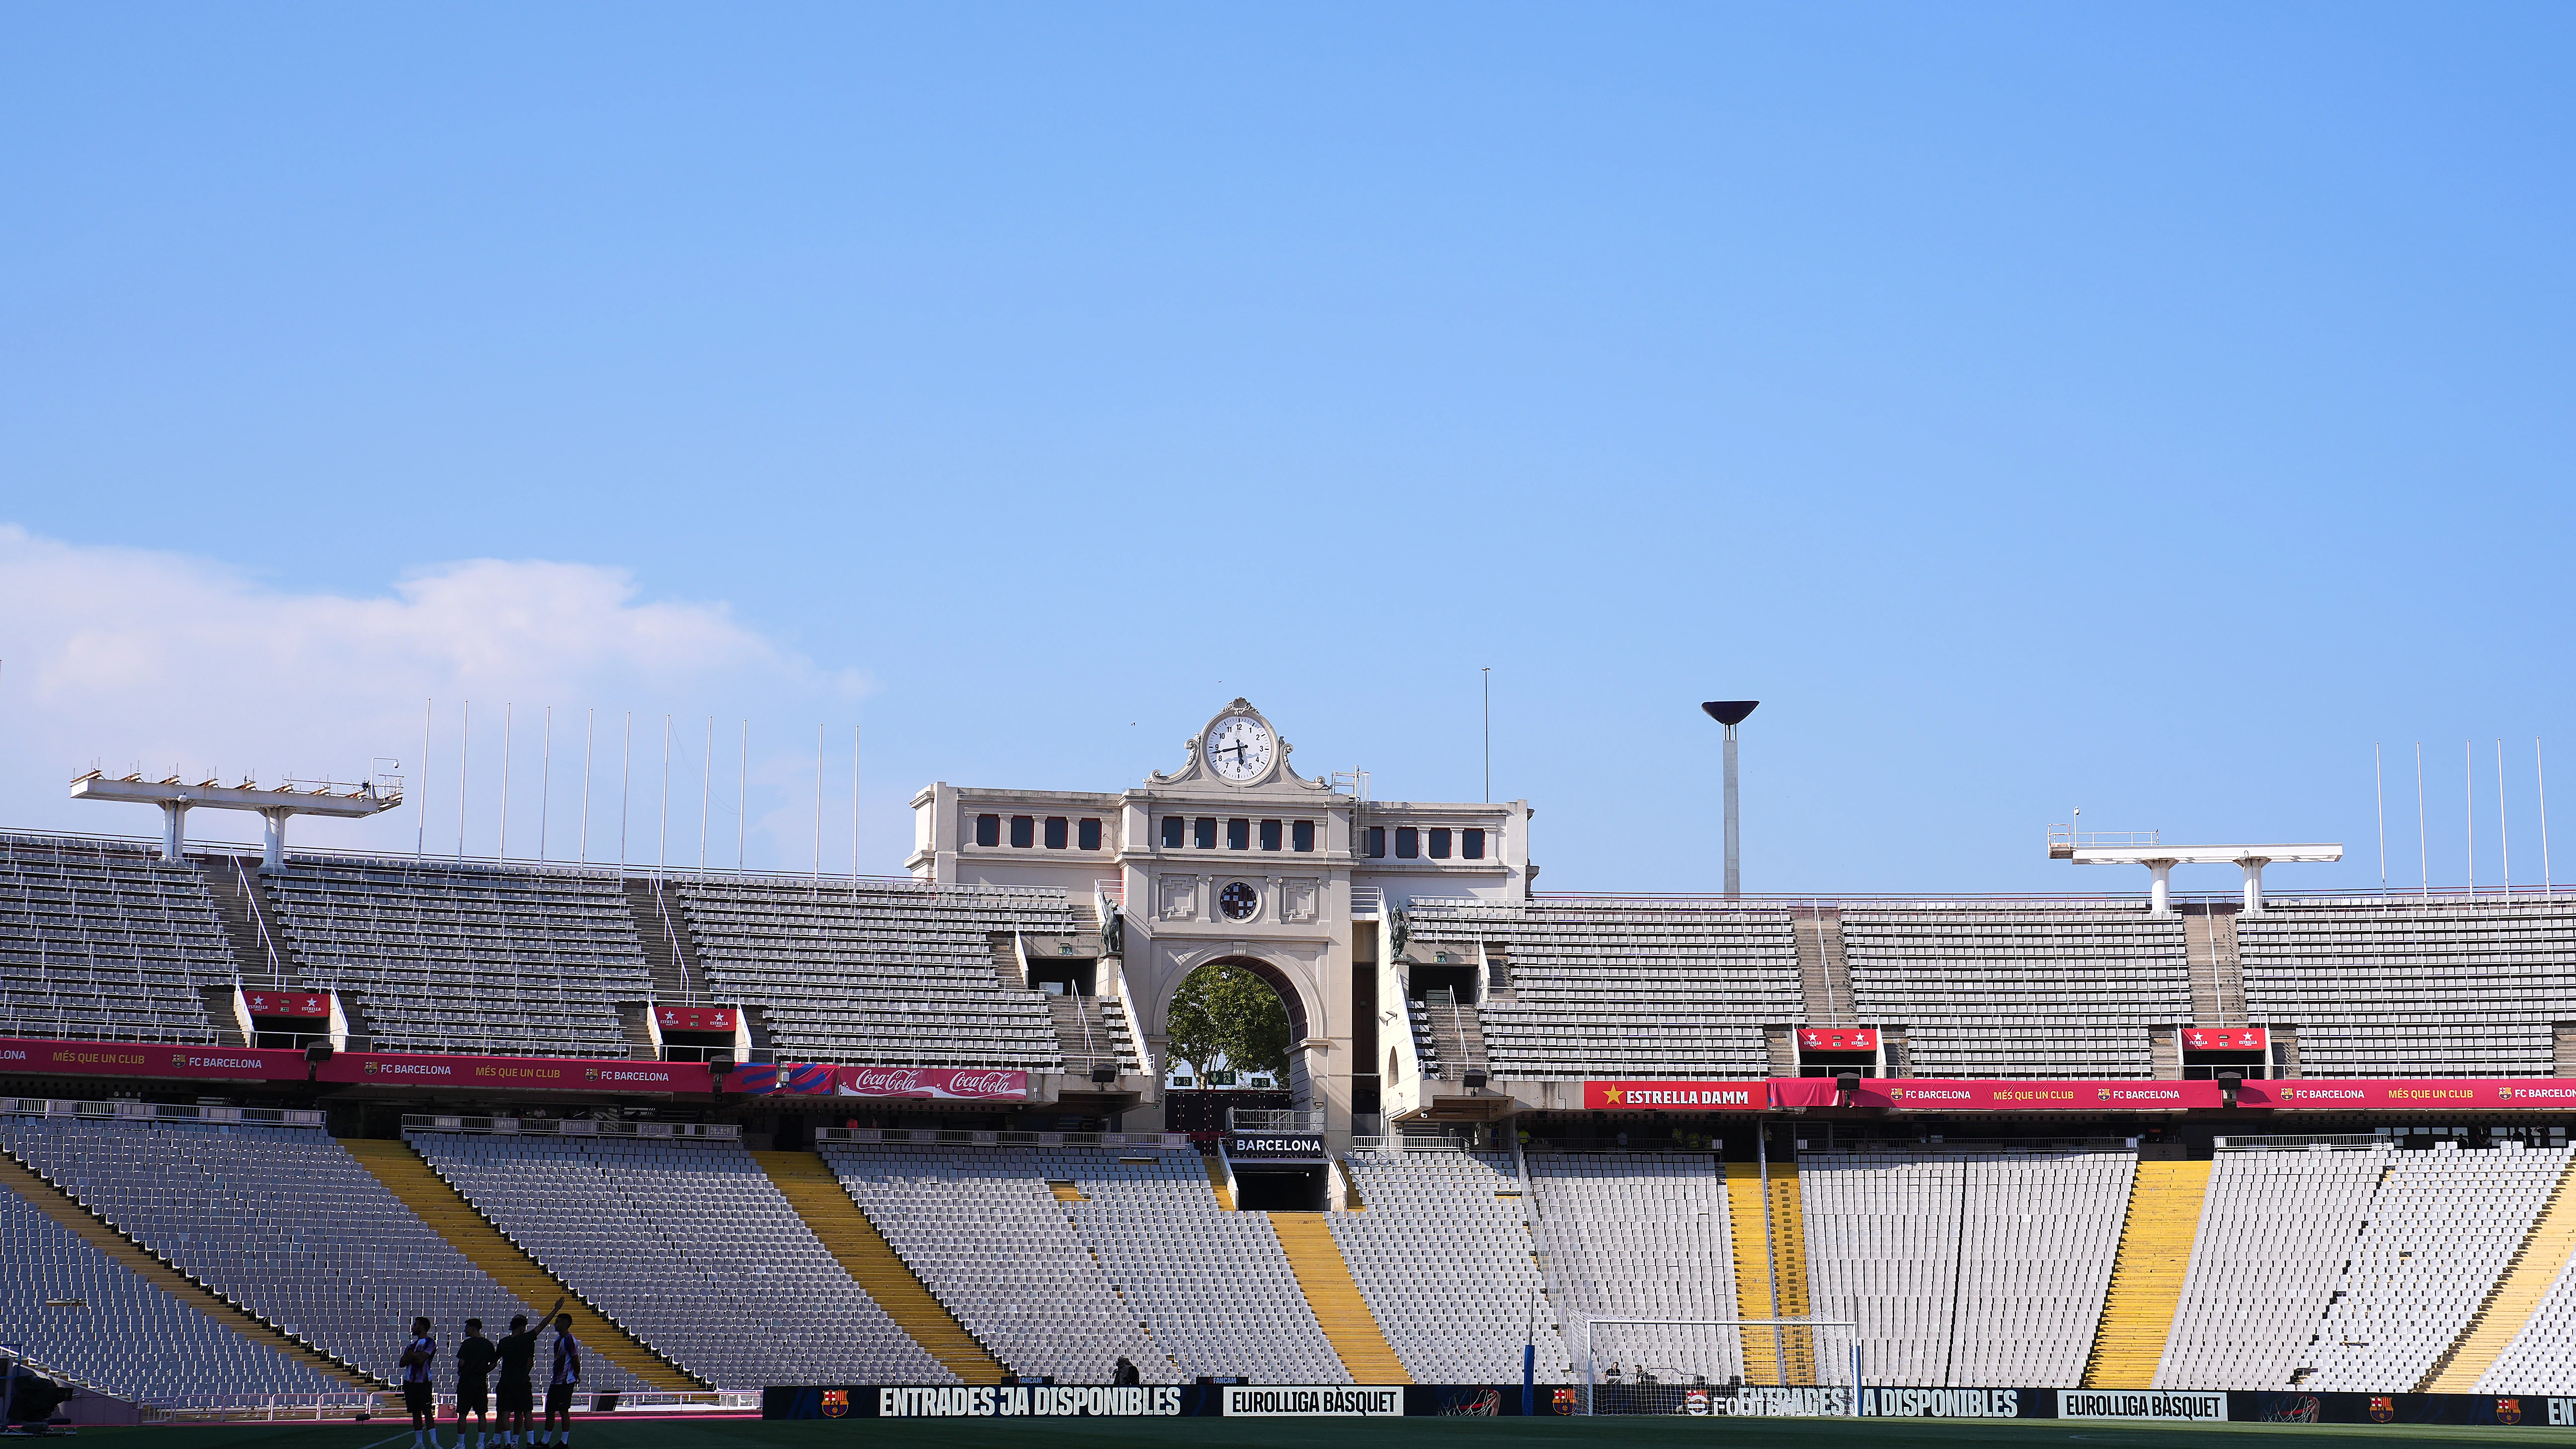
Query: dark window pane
[1377, 842]
[1471, 844]
[1086, 835]
[1270, 835]
[1055, 832]
[1408, 842]
[1301, 836]
[1206, 832]
[1238, 835]
[1173, 829]
[1024, 830]
[988, 830]
[1439, 844]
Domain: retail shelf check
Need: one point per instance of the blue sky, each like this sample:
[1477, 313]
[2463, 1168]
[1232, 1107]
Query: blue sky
[2144, 410]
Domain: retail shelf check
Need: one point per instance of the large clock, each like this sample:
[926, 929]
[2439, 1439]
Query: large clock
[1240, 749]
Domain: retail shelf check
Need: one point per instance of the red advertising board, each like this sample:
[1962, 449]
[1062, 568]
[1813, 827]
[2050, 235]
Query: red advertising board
[695, 1018]
[1838, 1038]
[1803, 1092]
[2226, 1039]
[960, 1084]
[1961, 1094]
[1752, 1096]
[314, 1005]
[2412, 1094]
[147, 1059]
[542, 1074]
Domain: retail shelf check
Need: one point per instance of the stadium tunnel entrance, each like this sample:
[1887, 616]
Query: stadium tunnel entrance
[1301, 1189]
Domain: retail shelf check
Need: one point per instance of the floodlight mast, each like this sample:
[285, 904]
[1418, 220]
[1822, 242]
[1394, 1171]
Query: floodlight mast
[1730, 713]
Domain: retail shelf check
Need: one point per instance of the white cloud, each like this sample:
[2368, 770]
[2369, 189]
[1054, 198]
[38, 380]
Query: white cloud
[122, 656]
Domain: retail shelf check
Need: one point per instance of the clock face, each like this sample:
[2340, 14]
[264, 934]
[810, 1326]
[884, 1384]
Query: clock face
[1239, 749]
[1238, 900]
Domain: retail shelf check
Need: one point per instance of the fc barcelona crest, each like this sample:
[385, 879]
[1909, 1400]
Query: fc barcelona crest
[836, 1402]
[2382, 1408]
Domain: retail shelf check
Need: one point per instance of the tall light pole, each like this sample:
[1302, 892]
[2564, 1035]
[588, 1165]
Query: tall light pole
[1730, 713]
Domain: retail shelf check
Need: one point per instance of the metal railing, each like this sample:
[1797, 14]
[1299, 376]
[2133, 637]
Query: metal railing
[1274, 1119]
[2284, 1141]
[159, 1112]
[571, 1127]
[1159, 1141]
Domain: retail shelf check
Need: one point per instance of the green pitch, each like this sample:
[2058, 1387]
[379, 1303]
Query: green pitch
[1352, 1434]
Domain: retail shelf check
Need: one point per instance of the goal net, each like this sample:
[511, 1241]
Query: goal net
[1763, 1367]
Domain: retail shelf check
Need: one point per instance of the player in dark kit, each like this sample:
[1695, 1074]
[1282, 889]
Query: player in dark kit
[419, 1396]
[518, 1353]
[559, 1388]
[475, 1356]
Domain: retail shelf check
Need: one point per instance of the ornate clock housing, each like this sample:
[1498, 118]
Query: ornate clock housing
[1240, 749]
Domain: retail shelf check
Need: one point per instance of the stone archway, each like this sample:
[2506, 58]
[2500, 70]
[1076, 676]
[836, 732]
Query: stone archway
[1291, 992]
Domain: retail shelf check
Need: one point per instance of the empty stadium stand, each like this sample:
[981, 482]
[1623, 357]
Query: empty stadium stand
[1966, 1265]
[688, 1246]
[2147, 1274]
[1626, 989]
[2414, 989]
[887, 973]
[2021, 992]
[102, 941]
[2276, 1227]
[1767, 1219]
[1444, 1255]
[1640, 1235]
[461, 957]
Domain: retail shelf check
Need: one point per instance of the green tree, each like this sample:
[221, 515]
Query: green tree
[1229, 1012]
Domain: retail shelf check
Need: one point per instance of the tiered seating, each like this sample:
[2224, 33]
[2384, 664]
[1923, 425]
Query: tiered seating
[2449, 988]
[1627, 989]
[1214, 1287]
[2021, 992]
[690, 1247]
[2441, 1231]
[82, 1315]
[2541, 1356]
[986, 1234]
[1641, 1235]
[454, 957]
[1442, 1256]
[1965, 1266]
[279, 1220]
[2275, 1230]
[887, 974]
[101, 941]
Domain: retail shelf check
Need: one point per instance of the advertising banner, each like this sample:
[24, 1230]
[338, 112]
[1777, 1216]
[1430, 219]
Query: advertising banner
[2168, 1404]
[146, 1059]
[1838, 1038]
[1902, 1403]
[312, 1005]
[544, 1074]
[1000, 1401]
[1319, 1401]
[1752, 1096]
[2226, 1038]
[695, 1018]
[765, 1079]
[947, 1084]
[2417, 1094]
[1274, 1146]
[1802, 1092]
[1962, 1094]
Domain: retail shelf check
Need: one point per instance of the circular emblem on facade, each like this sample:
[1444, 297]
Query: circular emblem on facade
[1239, 901]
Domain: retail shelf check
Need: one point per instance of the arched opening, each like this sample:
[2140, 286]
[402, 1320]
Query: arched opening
[1236, 1022]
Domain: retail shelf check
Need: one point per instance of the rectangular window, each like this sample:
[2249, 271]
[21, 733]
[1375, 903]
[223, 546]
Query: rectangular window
[1206, 832]
[1301, 836]
[1174, 828]
[1024, 831]
[1377, 842]
[988, 830]
[1440, 843]
[1238, 835]
[1408, 843]
[1086, 835]
[1270, 835]
[1471, 844]
[1055, 832]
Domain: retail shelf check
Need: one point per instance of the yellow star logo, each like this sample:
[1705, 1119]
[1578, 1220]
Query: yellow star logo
[1612, 1094]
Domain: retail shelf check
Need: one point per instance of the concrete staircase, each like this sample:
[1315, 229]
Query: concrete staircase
[435, 1202]
[1824, 972]
[1322, 1275]
[2217, 977]
[1217, 1180]
[663, 931]
[2509, 1304]
[1089, 1035]
[54, 1203]
[2147, 1274]
[873, 1264]
[241, 903]
[1783, 1356]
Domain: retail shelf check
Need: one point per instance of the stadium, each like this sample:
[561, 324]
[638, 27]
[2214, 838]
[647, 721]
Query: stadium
[917, 1146]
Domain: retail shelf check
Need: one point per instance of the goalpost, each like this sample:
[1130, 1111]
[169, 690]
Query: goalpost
[1750, 1366]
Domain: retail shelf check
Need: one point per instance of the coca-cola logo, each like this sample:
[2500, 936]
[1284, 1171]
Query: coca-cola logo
[983, 1084]
[930, 1082]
